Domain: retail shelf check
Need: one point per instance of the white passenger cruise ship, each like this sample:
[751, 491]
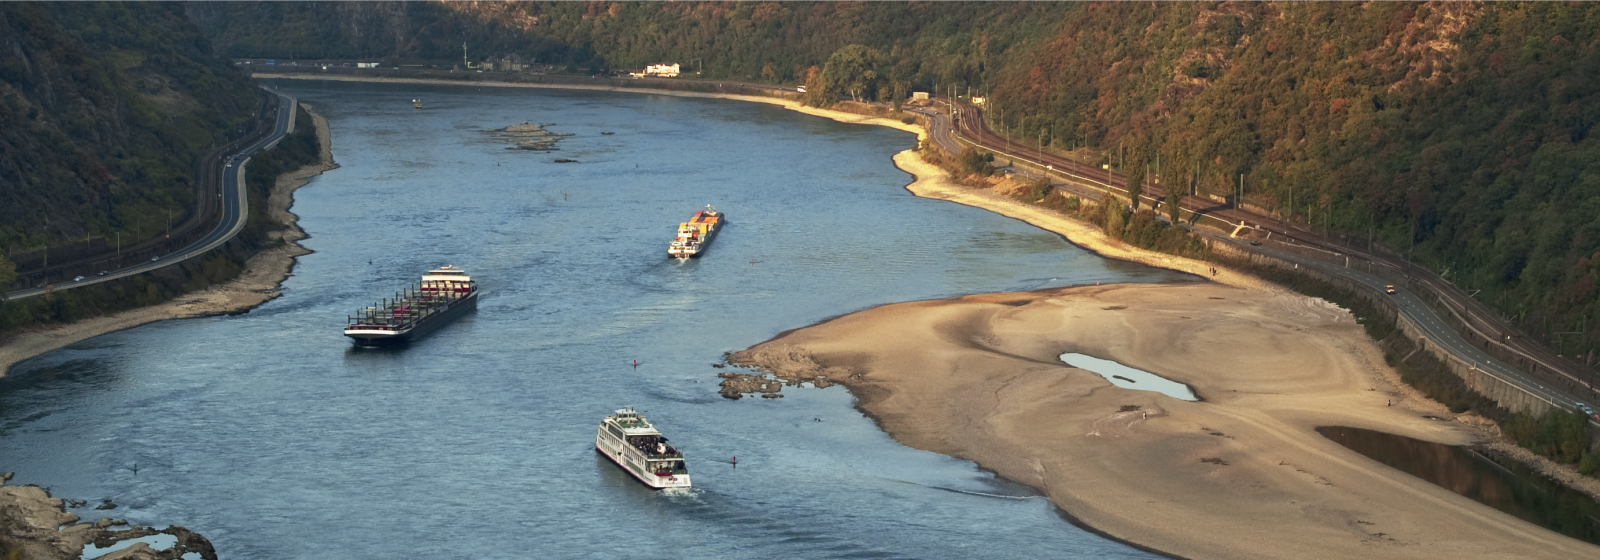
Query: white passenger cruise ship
[629, 440]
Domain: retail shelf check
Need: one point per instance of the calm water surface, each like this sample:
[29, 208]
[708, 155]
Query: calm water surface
[1502, 484]
[270, 435]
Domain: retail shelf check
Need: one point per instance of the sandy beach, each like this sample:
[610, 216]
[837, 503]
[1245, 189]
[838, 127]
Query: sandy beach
[258, 283]
[1241, 474]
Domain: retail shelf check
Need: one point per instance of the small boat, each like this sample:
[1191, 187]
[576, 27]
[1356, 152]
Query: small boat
[634, 445]
[416, 103]
[697, 233]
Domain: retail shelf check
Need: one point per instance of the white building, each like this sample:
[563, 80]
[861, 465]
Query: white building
[663, 70]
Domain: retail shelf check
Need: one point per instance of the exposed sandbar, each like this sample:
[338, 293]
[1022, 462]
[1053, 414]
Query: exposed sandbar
[1241, 474]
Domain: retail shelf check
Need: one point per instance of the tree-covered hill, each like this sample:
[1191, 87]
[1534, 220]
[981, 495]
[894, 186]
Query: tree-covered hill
[930, 42]
[104, 108]
[1459, 133]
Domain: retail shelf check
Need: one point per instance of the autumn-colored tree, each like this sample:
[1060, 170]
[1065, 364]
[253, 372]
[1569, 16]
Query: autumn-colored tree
[852, 70]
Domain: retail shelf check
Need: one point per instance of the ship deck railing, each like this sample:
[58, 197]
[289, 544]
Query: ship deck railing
[423, 307]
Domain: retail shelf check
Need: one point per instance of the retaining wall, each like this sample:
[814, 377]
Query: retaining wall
[1503, 393]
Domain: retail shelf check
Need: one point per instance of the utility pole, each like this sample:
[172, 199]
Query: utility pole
[119, 249]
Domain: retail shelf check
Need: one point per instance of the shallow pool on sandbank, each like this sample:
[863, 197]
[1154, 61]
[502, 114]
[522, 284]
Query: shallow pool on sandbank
[1129, 378]
[1498, 483]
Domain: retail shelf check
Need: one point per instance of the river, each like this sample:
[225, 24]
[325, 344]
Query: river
[268, 433]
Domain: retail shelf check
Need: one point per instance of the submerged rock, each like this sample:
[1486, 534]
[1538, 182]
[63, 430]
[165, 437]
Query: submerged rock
[528, 136]
[737, 385]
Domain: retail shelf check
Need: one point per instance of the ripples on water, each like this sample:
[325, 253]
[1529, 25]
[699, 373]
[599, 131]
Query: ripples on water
[269, 434]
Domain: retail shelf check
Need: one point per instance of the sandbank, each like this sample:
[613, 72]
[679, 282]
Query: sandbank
[258, 284]
[1240, 474]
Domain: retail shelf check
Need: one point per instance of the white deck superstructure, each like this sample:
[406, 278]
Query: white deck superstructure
[632, 443]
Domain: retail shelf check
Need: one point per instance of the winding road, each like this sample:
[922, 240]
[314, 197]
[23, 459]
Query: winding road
[956, 124]
[235, 208]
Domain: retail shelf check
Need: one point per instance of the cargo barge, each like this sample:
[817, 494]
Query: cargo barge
[695, 234]
[444, 294]
[633, 444]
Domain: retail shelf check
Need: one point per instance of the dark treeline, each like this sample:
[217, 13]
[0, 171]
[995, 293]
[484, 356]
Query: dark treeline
[923, 43]
[104, 109]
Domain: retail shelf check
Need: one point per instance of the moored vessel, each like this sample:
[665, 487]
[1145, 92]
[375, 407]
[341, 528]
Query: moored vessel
[695, 234]
[444, 294]
[634, 445]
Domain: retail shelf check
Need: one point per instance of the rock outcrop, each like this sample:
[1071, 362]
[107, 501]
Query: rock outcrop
[36, 526]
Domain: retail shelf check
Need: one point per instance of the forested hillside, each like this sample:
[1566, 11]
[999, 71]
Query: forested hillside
[928, 42]
[1459, 133]
[105, 108]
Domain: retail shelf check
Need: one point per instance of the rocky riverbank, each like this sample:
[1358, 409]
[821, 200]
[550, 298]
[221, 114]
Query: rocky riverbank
[36, 526]
[257, 284]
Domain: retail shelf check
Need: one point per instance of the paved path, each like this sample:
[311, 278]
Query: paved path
[235, 210]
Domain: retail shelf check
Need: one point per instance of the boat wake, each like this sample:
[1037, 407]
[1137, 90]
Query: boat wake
[968, 492]
[986, 494]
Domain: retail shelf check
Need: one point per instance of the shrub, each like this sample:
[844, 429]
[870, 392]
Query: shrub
[977, 163]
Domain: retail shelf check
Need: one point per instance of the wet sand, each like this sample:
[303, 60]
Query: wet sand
[258, 284]
[1241, 474]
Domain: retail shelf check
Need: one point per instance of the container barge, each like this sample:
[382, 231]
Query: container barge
[695, 234]
[444, 294]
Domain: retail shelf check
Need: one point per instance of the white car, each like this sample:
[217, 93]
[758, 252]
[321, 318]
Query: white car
[78, 279]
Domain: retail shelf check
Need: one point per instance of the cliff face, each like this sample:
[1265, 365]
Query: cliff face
[103, 110]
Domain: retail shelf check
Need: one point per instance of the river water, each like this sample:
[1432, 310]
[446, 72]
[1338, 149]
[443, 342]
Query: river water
[268, 433]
